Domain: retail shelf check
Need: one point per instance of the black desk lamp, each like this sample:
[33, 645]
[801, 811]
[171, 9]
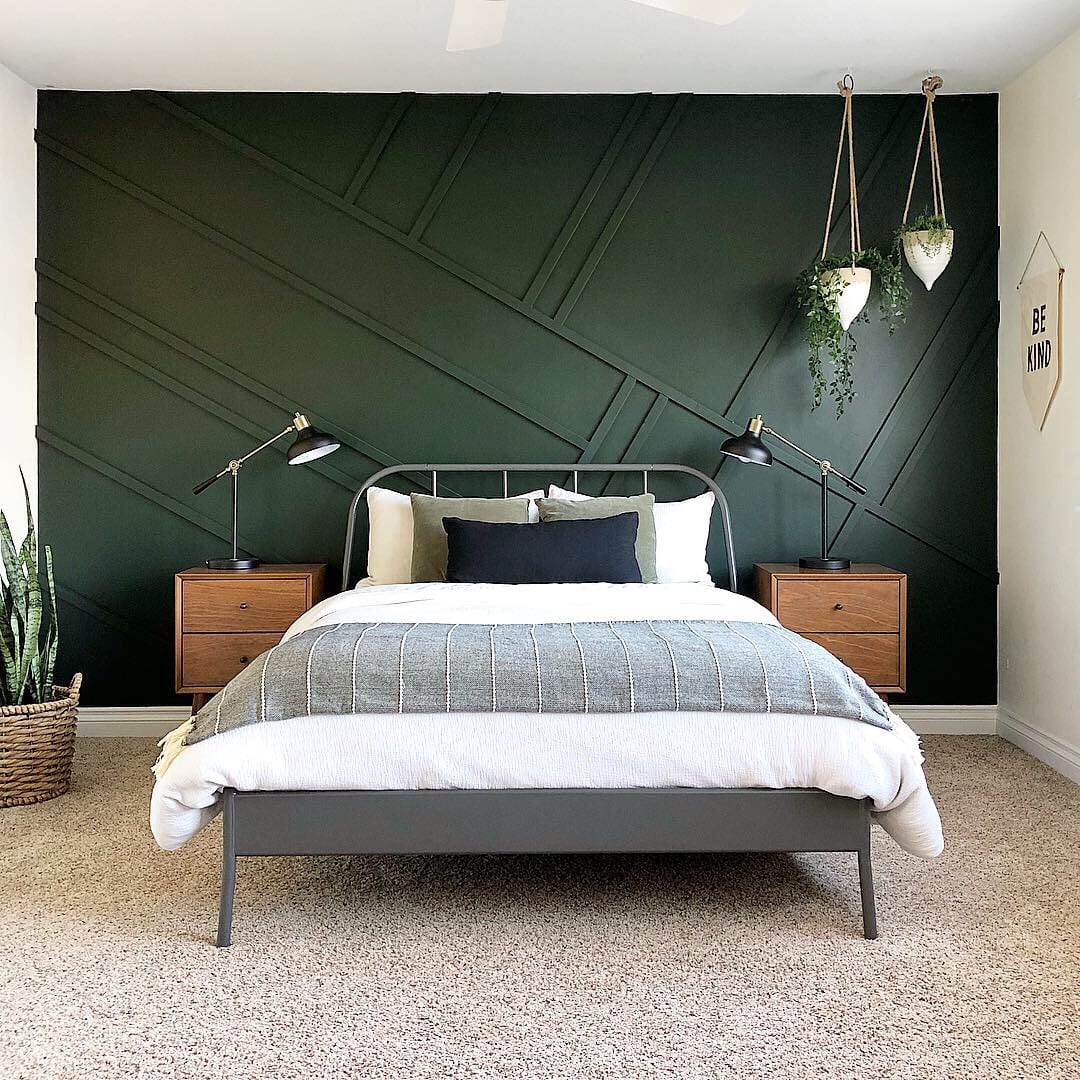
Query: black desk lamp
[310, 445]
[749, 447]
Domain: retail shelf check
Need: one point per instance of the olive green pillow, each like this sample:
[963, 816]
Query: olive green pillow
[609, 506]
[429, 536]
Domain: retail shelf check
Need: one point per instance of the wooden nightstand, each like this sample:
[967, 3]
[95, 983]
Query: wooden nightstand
[859, 615]
[225, 618]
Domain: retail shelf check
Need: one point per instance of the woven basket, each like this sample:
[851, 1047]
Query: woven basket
[37, 743]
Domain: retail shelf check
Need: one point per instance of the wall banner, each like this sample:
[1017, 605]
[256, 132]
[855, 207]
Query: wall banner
[1040, 339]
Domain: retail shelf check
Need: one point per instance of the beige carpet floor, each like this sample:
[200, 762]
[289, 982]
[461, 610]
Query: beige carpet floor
[744, 966]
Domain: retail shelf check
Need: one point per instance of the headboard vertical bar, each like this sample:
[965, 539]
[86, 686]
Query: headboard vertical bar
[506, 484]
[434, 482]
[575, 482]
[645, 481]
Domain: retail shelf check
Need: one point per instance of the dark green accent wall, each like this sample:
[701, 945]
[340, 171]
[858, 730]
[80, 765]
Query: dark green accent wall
[491, 278]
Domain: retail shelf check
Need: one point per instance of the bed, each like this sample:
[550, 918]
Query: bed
[596, 777]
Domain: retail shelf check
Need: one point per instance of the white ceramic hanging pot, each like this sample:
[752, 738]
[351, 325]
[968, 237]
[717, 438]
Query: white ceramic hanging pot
[926, 258]
[854, 291]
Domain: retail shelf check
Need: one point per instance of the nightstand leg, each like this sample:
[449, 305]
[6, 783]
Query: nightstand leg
[198, 701]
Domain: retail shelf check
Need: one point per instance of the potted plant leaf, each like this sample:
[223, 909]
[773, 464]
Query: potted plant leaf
[927, 240]
[37, 717]
[833, 290]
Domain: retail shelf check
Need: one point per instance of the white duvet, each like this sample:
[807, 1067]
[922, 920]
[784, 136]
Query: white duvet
[550, 750]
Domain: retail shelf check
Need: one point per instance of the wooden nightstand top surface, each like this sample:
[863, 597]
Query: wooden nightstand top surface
[265, 570]
[859, 570]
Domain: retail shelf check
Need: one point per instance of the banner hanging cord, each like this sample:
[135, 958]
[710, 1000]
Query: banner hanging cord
[1042, 237]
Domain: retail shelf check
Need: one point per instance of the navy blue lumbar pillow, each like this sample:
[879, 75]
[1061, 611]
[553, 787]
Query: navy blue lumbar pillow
[589, 549]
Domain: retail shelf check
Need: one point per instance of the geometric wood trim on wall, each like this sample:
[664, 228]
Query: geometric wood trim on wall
[490, 277]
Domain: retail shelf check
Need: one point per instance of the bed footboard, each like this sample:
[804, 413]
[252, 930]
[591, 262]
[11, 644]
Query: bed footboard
[535, 821]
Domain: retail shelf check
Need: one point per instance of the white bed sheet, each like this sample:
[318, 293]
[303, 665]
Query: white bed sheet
[484, 750]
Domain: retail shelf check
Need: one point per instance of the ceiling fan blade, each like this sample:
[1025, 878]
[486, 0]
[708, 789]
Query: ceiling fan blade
[718, 12]
[476, 24]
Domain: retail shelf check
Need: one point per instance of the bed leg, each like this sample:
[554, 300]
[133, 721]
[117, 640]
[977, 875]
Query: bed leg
[228, 869]
[866, 887]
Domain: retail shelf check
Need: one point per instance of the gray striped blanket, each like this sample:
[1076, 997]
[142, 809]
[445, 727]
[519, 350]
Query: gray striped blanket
[649, 666]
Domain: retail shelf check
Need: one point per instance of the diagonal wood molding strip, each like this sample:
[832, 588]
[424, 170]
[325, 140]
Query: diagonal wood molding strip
[453, 167]
[941, 410]
[585, 200]
[618, 215]
[123, 624]
[611, 414]
[985, 263]
[375, 151]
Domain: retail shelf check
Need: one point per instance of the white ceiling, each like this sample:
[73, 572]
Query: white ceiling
[778, 46]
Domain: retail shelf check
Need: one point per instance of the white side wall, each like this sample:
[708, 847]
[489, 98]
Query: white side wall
[1039, 511]
[18, 343]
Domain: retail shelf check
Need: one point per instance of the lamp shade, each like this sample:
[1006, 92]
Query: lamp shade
[748, 446]
[311, 444]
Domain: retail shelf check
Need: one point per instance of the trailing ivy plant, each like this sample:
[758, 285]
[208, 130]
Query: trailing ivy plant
[28, 627]
[934, 225]
[832, 349]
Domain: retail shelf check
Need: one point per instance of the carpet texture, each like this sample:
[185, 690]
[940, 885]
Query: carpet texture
[587, 966]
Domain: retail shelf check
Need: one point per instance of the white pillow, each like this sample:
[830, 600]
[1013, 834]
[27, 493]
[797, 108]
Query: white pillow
[390, 535]
[682, 536]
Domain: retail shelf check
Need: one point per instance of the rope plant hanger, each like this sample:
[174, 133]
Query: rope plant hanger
[853, 300]
[833, 291]
[927, 240]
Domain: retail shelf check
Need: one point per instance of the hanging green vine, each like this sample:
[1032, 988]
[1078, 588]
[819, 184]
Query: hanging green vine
[832, 349]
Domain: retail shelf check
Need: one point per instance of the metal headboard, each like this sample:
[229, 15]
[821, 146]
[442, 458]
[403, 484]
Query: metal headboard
[563, 468]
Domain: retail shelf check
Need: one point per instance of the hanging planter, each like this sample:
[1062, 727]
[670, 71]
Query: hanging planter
[927, 240]
[833, 291]
[852, 285]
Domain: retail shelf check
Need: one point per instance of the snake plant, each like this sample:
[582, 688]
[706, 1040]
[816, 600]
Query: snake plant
[28, 626]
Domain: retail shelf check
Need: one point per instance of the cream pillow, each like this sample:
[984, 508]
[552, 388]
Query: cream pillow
[682, 536]
[389, 559]
[390, 535]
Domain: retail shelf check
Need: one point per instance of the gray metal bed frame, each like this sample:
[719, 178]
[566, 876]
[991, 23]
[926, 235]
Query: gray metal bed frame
[549, 821]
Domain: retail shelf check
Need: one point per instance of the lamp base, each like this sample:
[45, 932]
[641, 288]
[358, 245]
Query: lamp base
[232, 564]
[816, 562]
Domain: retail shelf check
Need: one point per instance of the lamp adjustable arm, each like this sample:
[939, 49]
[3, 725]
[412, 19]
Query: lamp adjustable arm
[234, 465]
[827, 468]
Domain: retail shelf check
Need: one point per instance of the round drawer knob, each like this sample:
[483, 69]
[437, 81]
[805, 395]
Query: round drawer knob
[245, 659]
[838, 606]
[243, 606]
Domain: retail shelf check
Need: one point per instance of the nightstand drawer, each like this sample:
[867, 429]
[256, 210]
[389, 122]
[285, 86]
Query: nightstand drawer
[816, 606]
[255, 604]
[876, 657]
[213, 659]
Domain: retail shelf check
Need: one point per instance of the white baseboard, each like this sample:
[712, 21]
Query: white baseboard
[1049, 749]
[156, 720]
[144, 721]
[949, 719]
